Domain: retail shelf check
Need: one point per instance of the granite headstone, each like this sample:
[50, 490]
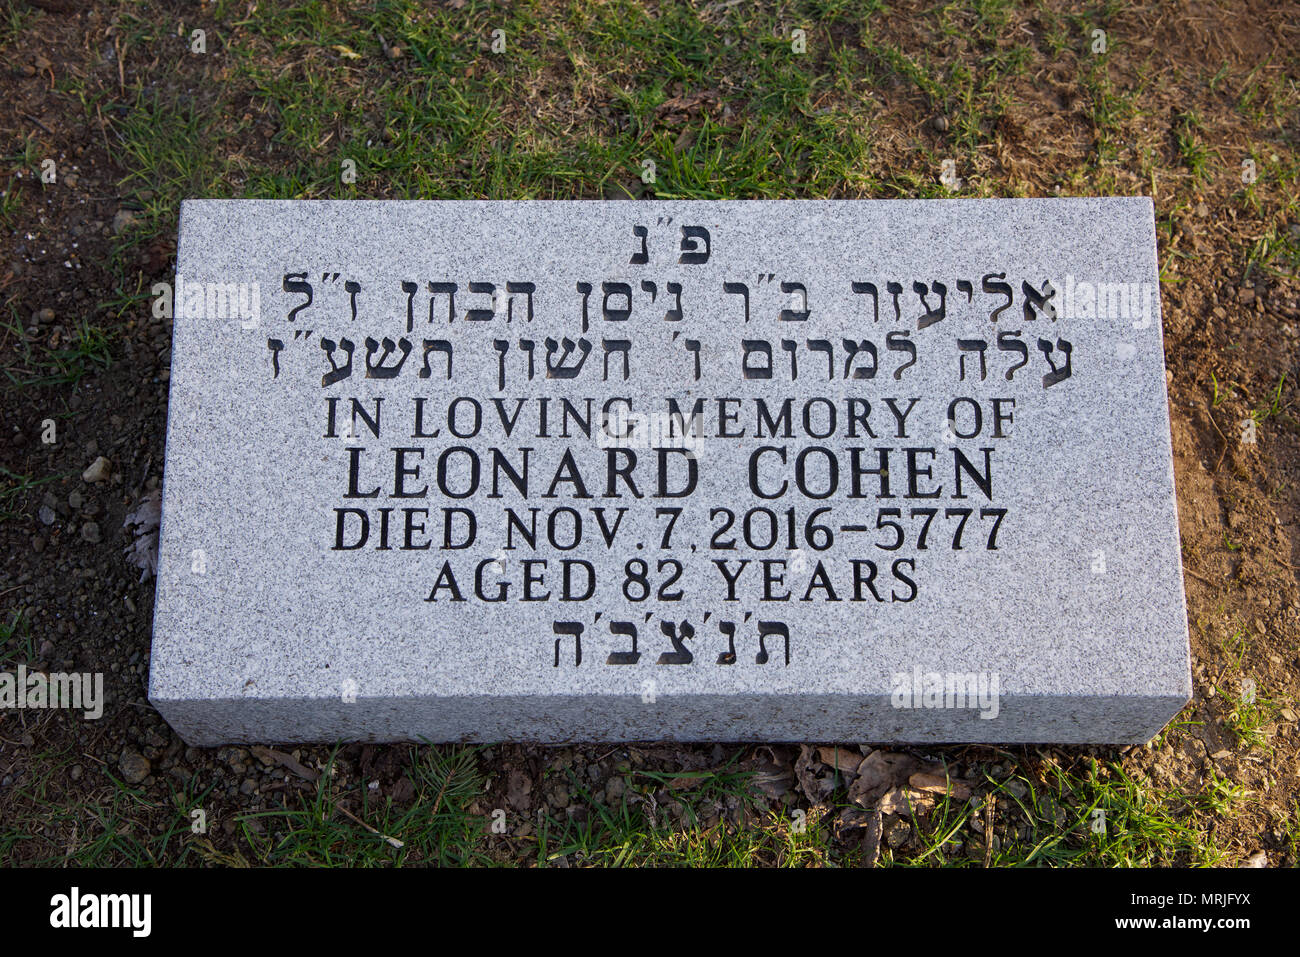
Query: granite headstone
[580, 471]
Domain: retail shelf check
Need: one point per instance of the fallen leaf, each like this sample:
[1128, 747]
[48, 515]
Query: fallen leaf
[881, 771]
[269, 756]
[816, 787]
[842, 759]
[143, 521]
[773, 780]
[906, 800]
[678, 109]
[685, 782]
[871, 840]
[518, 787]
[853, 819]
[939, 784]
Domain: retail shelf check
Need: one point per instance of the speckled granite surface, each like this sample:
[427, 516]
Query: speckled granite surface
[270, 626]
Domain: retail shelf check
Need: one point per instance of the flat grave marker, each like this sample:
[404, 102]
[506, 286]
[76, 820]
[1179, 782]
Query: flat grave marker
[598, 471]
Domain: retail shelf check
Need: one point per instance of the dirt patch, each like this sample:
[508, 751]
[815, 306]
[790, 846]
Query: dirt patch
[1184, 98]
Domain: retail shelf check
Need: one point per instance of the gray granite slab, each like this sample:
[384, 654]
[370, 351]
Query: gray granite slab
[1059, 607]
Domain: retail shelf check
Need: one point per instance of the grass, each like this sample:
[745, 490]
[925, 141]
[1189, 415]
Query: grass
[172, 150]
[644, 835]
[1099, 815]
[1102, 816]
[1250, 716]
[16, 643]
[1191, 146]
[318, 829]
[1054, 820]
[14, 491]
[689, 819]
[84, 349]
[1235, 646]
[585, 93]
[1290, 827]
[1274, 407]
[1139, 825]
[445, 119]
[437, 828]
[24, 165]
[48, 826]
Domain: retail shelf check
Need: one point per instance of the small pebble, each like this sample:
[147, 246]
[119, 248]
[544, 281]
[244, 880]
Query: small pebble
[134, 766]
[897, 833]
[98, 471]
